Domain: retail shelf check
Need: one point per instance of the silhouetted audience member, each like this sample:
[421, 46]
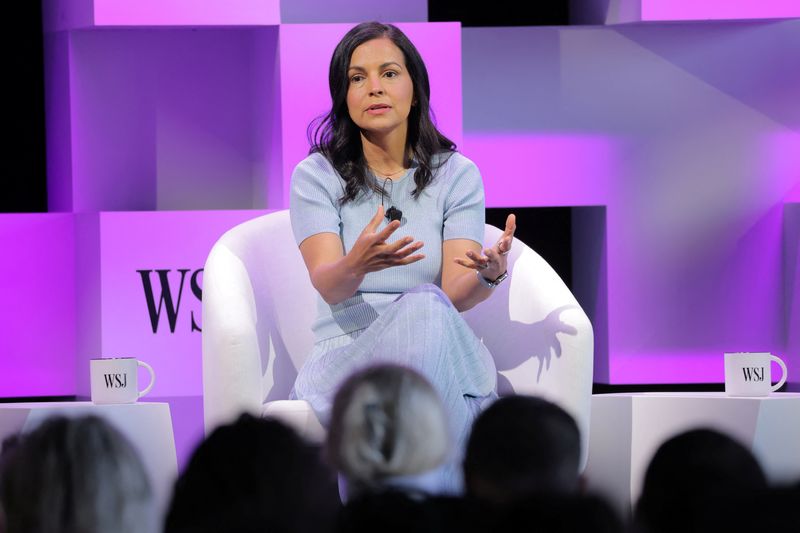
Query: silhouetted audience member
[521, 446]
[560, 513]
[697, 481]
[398, 511]
[75, 475]
[254, 475]
[388, 430]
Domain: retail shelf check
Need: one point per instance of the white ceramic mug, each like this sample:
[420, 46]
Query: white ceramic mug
[115, 380]
[749, 374]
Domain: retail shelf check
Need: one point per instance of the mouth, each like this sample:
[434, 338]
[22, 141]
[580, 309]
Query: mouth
[378, 106]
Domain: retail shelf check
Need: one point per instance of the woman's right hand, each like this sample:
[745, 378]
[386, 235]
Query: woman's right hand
[371, 252]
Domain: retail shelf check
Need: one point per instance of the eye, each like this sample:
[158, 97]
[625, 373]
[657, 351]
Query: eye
[390, 74]
[356, 78]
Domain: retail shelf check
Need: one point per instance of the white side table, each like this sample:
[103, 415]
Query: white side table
[148, 426]
[627, 429]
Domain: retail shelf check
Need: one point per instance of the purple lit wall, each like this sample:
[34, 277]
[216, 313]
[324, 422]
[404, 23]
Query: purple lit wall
[72, 14]
[141, 251]
[694, 156]
[318, 11]
[37, 318]
[791, 239]
[154, 114]
[718, 9]
[622, 11]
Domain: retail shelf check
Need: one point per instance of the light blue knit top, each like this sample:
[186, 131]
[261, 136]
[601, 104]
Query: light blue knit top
[450, 207]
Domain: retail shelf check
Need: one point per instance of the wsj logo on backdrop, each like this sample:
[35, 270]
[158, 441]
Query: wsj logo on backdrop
[164, 296]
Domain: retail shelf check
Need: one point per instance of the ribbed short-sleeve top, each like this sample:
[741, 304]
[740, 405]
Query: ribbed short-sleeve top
[450, 207]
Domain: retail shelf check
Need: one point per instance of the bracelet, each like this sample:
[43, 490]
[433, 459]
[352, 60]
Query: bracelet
[491, 284]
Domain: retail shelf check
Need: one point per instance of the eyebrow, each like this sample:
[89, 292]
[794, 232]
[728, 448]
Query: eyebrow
[381, 67]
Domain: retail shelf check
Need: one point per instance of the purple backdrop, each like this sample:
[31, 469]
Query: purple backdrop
[680, 141]
[37, 318]
[693, 155]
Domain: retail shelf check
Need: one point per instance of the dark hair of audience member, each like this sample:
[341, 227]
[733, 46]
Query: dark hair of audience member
[254, 475]
[75, 475]
[560, 513]
[696, 479]
[522, 445]
[387, 422]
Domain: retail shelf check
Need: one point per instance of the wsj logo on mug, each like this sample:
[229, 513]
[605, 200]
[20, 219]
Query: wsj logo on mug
[116, 380]
[749, 374]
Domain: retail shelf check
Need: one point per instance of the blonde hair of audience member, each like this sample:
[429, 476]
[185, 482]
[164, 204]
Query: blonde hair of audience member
[387, 421]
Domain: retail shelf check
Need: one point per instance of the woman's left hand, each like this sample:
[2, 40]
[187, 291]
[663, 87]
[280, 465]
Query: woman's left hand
[493, 262]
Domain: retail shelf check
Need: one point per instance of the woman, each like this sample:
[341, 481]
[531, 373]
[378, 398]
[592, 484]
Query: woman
[380, 184]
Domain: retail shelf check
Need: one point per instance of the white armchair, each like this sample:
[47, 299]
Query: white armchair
[259, 304]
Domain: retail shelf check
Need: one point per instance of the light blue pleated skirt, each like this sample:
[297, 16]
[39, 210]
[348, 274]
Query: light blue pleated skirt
[424, 331]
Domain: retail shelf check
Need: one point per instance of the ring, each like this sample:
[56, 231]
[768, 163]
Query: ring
[506, 252]
[482, 267]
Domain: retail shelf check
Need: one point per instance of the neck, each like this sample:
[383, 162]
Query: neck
[385, 154]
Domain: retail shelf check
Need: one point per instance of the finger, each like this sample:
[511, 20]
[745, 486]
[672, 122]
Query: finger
[479, 259]
[408, 250]
[391, 248]
[466, 264]
[492, 255]
[373, 224]
[511, 225]
[398, 244]
[386, 232]
[409, 260]
[503, 245]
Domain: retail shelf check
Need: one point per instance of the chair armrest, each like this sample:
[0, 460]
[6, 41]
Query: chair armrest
[231, 357]
[541, 340]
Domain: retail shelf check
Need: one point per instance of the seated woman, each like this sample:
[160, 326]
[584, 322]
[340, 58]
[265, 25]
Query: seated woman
[382, 182]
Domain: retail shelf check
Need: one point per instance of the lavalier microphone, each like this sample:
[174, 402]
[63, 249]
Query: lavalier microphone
[392, 213]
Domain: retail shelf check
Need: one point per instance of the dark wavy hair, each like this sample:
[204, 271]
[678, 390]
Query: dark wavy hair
[338, 138]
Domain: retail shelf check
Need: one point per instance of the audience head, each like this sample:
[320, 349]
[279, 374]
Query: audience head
[75, 475]
[560, 513]
[387, 421]
[522, 445]
[694, 474]
[254, 475]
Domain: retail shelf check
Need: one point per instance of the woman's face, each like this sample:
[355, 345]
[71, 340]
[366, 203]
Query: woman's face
[380, 90]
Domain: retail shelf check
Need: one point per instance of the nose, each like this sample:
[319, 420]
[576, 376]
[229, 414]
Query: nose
[375, 87]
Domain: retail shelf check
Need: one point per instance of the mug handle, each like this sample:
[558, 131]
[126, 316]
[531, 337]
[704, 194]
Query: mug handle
[783, 368]
[153, 377]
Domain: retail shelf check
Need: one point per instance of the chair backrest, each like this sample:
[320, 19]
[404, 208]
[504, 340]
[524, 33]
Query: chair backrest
[257, 284]
[256, 276]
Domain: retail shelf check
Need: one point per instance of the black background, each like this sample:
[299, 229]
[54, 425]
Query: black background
[24, 187]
